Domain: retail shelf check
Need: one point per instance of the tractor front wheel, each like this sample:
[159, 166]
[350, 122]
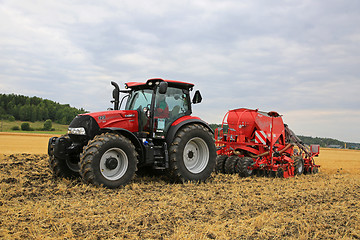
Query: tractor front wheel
[63, 168]
[192, 154]
[109, 160]
[67, 167]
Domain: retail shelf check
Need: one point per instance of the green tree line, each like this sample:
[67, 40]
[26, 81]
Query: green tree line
[325, 142]
[24, 108]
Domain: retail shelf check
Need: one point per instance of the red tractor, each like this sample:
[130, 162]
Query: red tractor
[252, 141]
[155, 131]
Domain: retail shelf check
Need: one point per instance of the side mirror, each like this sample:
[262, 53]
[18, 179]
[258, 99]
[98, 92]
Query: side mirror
[163, 87]
[116, 95]
[197, 97]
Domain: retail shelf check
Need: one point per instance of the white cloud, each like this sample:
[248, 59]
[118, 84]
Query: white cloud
[340, 124]
[293, 57]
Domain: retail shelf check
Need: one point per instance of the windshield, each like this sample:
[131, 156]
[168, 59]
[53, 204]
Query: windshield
[139, 99]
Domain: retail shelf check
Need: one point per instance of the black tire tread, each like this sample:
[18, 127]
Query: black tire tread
[220, 163]
[59, 167]
[175, 172]
[242, 166]
[230, 164]
[314, 170]
[298, 161]
[92, 148]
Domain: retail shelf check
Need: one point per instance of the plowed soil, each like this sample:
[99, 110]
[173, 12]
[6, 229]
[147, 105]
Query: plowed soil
[34, 205]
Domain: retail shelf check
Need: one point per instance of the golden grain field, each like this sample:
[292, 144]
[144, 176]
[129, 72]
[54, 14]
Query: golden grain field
[33, 205]
[11, 143]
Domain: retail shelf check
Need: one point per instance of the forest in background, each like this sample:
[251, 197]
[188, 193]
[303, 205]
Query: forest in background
[18, 107]
[23, 108]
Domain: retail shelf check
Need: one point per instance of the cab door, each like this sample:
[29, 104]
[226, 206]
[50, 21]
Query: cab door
[169, 107]
[140, 100]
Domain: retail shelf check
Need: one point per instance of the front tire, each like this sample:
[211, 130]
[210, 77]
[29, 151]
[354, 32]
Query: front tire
[192, 154]
[63, 167]
[109, 160]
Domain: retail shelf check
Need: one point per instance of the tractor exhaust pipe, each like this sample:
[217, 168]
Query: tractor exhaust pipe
[116, 95]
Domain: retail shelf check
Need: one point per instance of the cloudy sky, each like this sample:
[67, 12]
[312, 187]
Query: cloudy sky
[300, 58]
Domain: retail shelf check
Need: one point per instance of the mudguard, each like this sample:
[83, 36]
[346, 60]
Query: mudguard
[182, 122]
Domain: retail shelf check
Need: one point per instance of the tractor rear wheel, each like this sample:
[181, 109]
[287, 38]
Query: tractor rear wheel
[192, 154]
[243, 167]
[109, 160]
[298, 165]
[220, 163]
[230, 164]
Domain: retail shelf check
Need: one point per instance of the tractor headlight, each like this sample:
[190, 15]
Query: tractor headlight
[77, 131]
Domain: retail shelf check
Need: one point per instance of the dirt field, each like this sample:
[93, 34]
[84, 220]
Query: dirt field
[33, 205]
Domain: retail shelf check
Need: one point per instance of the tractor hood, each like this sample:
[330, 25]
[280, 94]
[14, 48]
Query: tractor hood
[90, 124]
[126, 119]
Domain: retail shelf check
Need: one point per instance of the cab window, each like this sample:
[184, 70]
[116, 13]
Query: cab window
[177, 102]
[139, 99]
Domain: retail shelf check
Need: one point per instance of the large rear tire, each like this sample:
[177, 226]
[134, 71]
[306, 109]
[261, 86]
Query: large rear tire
[192, 154]
[109, 160]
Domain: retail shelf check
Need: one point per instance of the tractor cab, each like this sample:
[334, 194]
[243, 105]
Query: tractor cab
[158, 103]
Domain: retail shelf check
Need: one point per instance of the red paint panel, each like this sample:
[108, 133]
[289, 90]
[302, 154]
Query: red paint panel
[184, 118]
[126, 119]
